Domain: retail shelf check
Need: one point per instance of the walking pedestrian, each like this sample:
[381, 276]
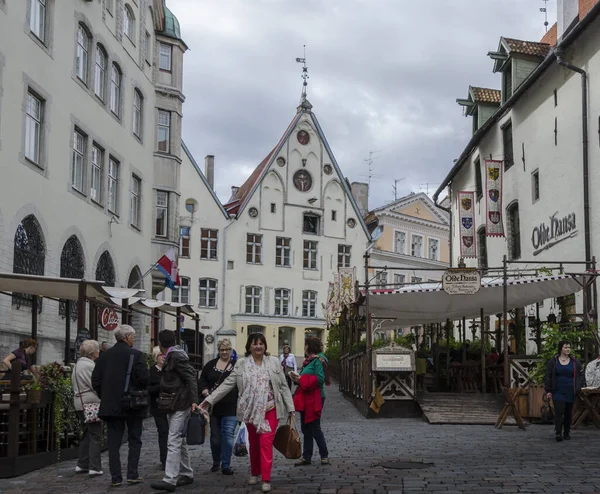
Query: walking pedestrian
[223, 420]
[563, 382]
[310, 400]
[160, 416]
[90, 444]
[264, 399]
[118, 371]
[288, 364]
[179, 396]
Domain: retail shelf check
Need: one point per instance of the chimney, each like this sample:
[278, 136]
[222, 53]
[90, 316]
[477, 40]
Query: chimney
[234, 191]
[567, 11]
[360, 192]
[209, 170]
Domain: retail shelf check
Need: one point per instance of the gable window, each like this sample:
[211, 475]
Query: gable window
[81, 61]
[137, 113]
[33, 128]
[482, 248]
[311, 223]
[100, 73]
[115, 90]
[282, 302]
[182, 294]
[78, 164]
[136, 201]
[129, 24]
[400, 242]
[184, 241]
[309, 303]
[434, 249]
[208, 243]
[208, 293]
[399, 279]
[164, 130]
[113, 185]
[282, 252]
[253, 248]
[478, 182]
[507, 140]
[514, 231]
[96, 174]
[535, 185]
[165, 57]
[381, 279]
[344, 255]
[416, 246]
[37, 18]
[253, 294]
[162, 213]
[310, 254]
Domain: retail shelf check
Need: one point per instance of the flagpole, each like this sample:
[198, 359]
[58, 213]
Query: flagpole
[145, 274]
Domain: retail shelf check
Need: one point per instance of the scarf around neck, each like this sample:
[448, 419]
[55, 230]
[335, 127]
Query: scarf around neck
[253, 402]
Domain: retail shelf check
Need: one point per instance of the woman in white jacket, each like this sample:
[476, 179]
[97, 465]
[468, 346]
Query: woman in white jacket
[90, 445]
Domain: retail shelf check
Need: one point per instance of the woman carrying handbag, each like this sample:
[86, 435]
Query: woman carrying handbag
[87, 404]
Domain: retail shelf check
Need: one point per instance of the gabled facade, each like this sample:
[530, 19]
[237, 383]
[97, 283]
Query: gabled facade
[481, 103]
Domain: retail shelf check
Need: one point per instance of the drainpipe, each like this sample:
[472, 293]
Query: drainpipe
[585, 141]
[449, 211]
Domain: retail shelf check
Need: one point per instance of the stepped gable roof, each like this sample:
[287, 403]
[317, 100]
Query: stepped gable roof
[486, 95]
[527, 47]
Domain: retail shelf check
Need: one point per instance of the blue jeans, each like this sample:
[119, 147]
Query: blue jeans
[312, 431]
[222, 431]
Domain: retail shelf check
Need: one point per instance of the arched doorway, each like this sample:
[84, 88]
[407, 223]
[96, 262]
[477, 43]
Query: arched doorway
[29, 255]
[72, 265]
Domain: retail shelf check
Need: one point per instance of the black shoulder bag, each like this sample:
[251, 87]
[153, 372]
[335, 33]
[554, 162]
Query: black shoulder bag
[133, 399]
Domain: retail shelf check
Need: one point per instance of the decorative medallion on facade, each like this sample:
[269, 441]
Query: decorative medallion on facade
[466, 224]
[303, 137]
[351, 222]
[302, 180]
[493, 198]
[253, 212]
[281, 161]
[328, 169]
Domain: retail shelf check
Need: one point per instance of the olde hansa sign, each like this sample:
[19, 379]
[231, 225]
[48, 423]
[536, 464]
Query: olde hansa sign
[547, 235]
[461, 281]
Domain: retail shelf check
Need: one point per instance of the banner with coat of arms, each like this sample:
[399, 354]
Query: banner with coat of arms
[493, 196]
[466, 222]
[346, 286]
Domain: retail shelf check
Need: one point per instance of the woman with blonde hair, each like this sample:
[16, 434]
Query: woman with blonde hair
[160, 416]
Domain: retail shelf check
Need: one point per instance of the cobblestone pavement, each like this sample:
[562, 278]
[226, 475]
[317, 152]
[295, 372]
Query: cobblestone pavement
[462, 459]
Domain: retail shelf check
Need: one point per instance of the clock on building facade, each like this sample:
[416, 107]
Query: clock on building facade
[302, 180]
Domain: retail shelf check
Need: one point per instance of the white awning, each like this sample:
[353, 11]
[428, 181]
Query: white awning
[428, 303]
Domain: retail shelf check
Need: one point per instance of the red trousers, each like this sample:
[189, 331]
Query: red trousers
[261, 448]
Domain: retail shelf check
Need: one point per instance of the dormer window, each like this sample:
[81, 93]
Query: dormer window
[481, 103]
[311, 223]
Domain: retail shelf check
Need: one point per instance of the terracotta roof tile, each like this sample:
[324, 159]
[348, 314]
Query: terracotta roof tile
[486, 95]
[585, 6]
[550, 37]
[528, 47]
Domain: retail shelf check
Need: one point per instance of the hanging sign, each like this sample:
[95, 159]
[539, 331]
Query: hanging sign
[461, 281]
[109, 319]
[493, 198]
[466, 224]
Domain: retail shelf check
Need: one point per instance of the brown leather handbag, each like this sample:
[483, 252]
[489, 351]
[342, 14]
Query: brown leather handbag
[287, 440]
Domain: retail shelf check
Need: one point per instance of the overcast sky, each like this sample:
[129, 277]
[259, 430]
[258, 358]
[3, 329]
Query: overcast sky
[384, 76]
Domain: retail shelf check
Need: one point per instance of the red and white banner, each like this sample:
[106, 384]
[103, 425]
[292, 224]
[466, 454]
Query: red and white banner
[493, 198]
[466, 223]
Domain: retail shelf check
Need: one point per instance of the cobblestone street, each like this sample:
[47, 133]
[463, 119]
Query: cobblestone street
[469, 459]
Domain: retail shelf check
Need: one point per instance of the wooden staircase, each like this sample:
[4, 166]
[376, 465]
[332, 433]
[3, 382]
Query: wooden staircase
[462, 408]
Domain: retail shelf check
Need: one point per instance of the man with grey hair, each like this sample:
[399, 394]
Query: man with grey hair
[118, 371]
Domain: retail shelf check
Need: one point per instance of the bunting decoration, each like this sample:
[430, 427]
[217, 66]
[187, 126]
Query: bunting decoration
[493, 198]
[346, 286]
[466, 223]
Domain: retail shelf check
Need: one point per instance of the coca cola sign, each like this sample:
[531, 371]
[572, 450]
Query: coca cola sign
[109, 319]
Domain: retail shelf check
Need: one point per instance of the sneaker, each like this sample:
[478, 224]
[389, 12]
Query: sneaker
[184, 480]
[116, 484]
[139, 480]
[302, 462]
[253, 480]
[215, 467]
[227, 471]
[163, 486]
[325, 461]
[266, 487]
[95, 473]
[81, 470]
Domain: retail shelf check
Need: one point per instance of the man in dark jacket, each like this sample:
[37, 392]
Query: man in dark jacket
[110, 382]
[178, 380]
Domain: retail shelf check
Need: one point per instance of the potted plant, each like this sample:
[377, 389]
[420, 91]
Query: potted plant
[34, 393]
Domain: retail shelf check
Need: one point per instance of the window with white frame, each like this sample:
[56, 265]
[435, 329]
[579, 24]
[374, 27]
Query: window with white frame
[416, 279]
[400, 242]
[115, 90]
[253, 294]
[282, 252]
[208, 293]
[344, 255]
[310, 254]
[182, 294]
[309, 303]
[37, 18]
[137, 113]
[96, 174]
[208, 243]
[100, 73]
[165, 57]
[162, 213]
[129, 24]
[416, 246]
[83, 47]
[78, 164]
[113, 185]
[136, 200]
[253, 248]
[381, 279]
[33, 127]
[399, 279]
[164, 130]
[184, 241]
[282, 302]
[433, 247]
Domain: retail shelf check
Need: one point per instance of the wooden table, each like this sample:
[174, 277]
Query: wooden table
[589, 405]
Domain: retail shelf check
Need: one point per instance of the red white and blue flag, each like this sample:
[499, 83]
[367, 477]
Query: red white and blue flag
[167, 265]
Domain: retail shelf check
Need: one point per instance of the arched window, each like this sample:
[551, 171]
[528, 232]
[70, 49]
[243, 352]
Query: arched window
[105, 270]
[29, 254]
[115, 89]
[138, 100]
[72, 265]
[129, 23]
[100, 73]
[134, 277]
[83, 48]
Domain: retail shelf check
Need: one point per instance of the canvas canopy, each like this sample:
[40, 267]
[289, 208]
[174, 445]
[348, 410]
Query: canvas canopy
[428, 303]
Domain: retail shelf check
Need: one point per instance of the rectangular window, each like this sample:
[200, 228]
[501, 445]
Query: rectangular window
[162, 213]
[164, 130]
[399, 279]
[514, 232]
[136, 200]
[208, 293]
[311, 224]
[310, 254]
[478, 182]
[100, 73]
[165, 57]
[208, 243]
[333, 215]
[182, 294]
[81, 62]
[282, 302]
[282, 252]
[33, 128]
[309, 303]
[416, 246]
[137, 114]
[113, 185]
[253, 248]
[400, 242]
[253, 300]
[115, 90]
[507, 139]
[344, 256]
[37, 18]
[184, 241]
[482, 248]
[78, 165]
[416, 279]
[434, 249]
[273, 207]
[381, 279]
[535, 185]
[96, 178]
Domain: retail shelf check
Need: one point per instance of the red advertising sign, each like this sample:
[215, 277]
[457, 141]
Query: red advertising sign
[109, 319]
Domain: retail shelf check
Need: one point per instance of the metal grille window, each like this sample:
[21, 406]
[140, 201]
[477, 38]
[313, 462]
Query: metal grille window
[400, 242]
[253, 248]
[507, 139]
[162, 213]
[83, 46]
[164, 130]
[96, 174]
[381, 279]
[115, 90]
[478, 181]
[78, 165]
[165, 57]
[514, 232]
[344, 256]
[100, 73]
[37, 18]
[399, 279]
[184, 241]
[29, 255]
[105, 270]
[182, 294]
[416, 246]
[72, 265]
[137, 113]
[208, 244]
[208, 293]
[253, 294]
[113, 185]
[129, 24]
[33, 128]
[309, 303]
[434, 249]
[282, 302]
[282, 252]
[310, 254]
[136, 201]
